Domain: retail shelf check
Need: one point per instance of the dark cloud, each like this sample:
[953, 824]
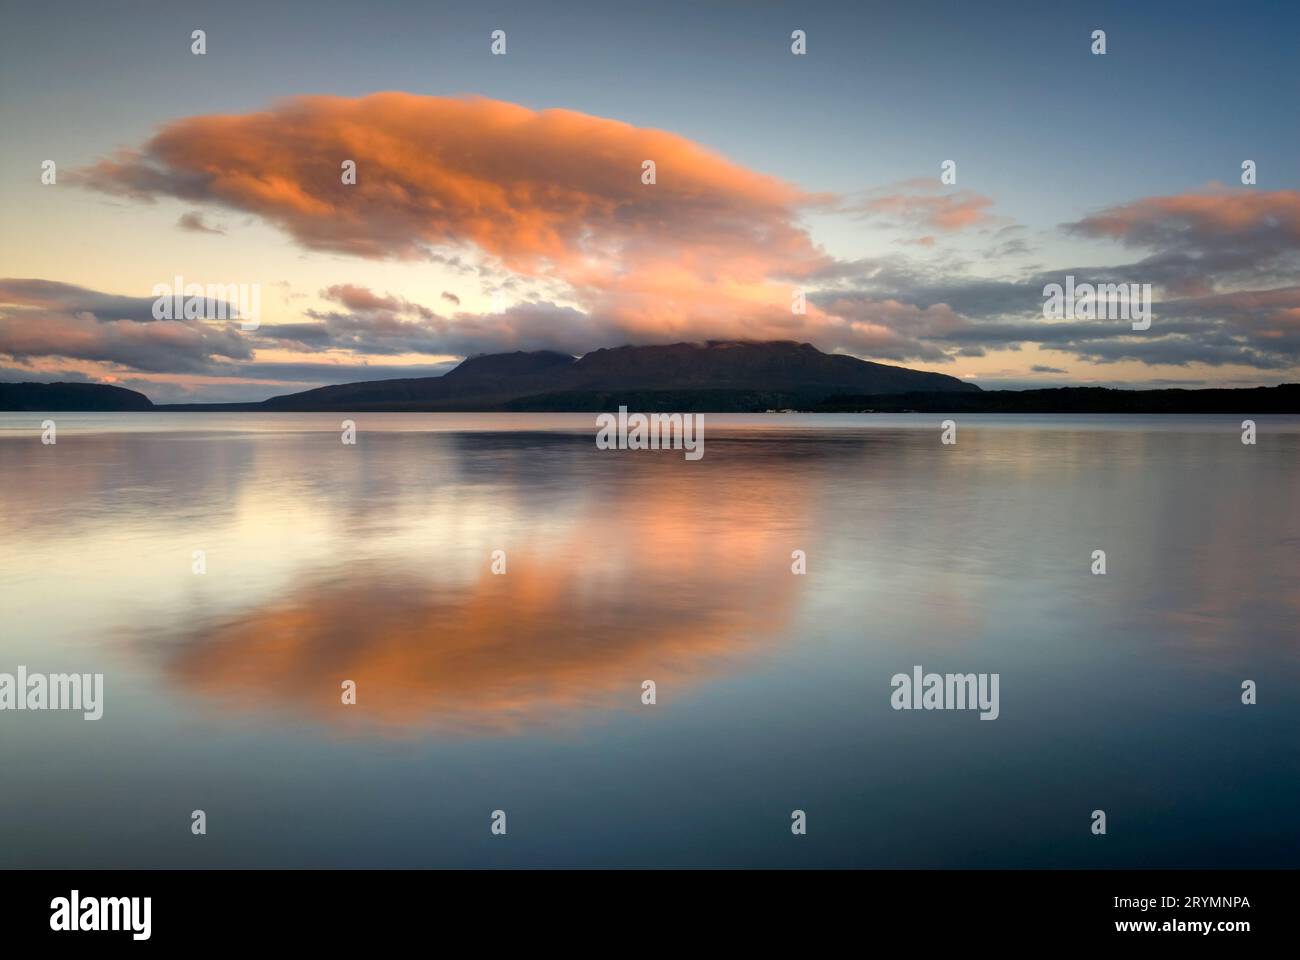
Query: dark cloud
[30, 375]
[45, 319]
[193, 221]
[295, 336]
[68, 298]
[1193, 323]
[320, 374]
[1202, 239]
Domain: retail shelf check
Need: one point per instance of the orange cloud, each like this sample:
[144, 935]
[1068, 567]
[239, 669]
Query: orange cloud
[1217, 212]
[534, 188]
[921, 203]
[710, 250]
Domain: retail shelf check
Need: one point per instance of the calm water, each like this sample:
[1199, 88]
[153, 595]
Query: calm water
[522, 692]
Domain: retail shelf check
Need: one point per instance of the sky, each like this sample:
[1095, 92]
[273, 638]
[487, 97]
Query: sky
[499, 201]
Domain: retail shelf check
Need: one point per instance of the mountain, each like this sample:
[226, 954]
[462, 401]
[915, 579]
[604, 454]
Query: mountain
[478, 383]
[742, 365]
[70, 396]
[717, 375]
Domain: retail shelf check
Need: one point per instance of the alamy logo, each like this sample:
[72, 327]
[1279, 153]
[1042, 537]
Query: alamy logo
[56, 691]
[1101, 301]
[102, 913]
[216, 301]
[946, 691]
[654, 431]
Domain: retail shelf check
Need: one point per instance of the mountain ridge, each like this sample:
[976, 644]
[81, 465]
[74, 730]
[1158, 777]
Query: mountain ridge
[789, 372]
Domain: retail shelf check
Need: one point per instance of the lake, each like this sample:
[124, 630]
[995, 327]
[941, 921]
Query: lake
[499, 591]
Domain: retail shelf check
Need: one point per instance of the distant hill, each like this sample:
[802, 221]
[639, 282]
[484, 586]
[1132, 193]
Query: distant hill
[727, 375]
[1280, 399]
[70, 396]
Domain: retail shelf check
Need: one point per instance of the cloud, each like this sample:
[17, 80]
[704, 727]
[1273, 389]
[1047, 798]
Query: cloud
[363, 298]
[1202, 242]
[451, 298]
[711, 249]
[45, 319]
[1204, 237]
[534, 188]
[924, 203]
[1008, 242]
[1260, 329]
[384, 324]
[893, 329]
[67, 298]
[193, 221]
[166, 346]
[53, 374]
